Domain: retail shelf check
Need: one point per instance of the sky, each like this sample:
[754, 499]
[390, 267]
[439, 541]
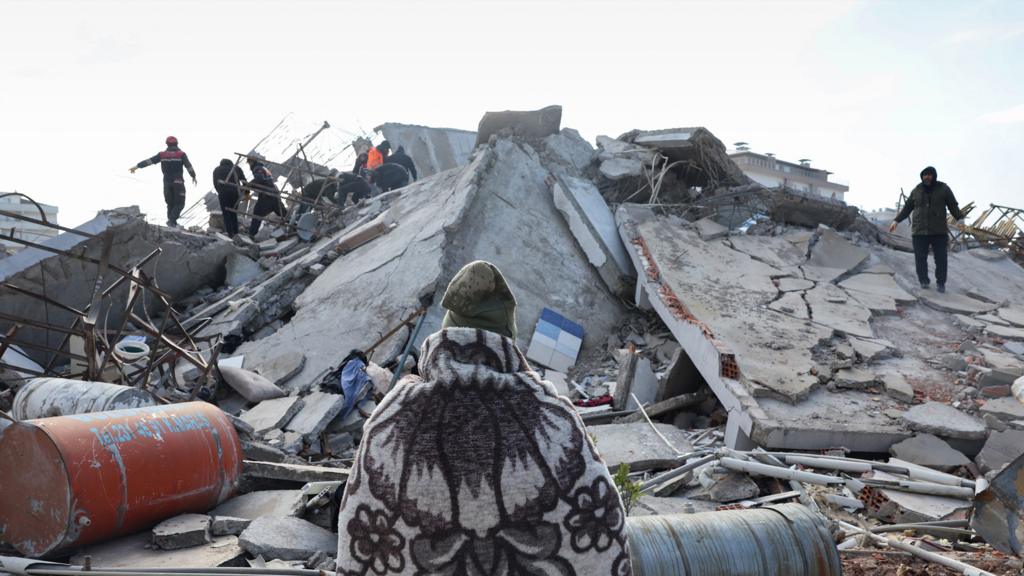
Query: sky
[872, 91]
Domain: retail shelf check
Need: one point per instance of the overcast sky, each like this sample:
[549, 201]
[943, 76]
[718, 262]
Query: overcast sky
[872, 91]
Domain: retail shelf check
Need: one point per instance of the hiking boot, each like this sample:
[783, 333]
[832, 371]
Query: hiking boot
[925, 285]
[942, 288]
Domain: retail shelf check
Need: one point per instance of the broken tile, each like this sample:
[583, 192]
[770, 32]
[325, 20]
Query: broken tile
[318, 409]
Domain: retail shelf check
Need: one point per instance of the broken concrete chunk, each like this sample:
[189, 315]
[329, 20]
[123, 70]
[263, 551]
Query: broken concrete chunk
[1012, 314]
[530, 125]
[136, 551]
[250, 385]
[846, 317]
[969, 323]
[253, 450]
[946, 421]
[317, 412]
[292, 472]
[637, 445]
[182, 531]
[878, 284]
[272, 414]
[728, 486]
[264, 503]
[897, 386]
[954, 302]
[619, 168]
[833, 251]
[853, 378]
[1007, 332]
[279, 368]
[821, 273]
[871, 348]
[1008, 408]
[228, 525]
[286, 539]
[929, 450]
[709, 229]
[644, 385]
[1000, 449]
[241, 270]
[788, 284]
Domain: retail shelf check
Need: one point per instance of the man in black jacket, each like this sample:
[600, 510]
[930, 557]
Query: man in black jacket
[171, 160]
[400, 157]
[388, 177]
[266, 204]
[927, 206]
[227, 181]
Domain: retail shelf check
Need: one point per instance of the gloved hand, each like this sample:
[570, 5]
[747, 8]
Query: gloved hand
[892, 227]
[194, 183]
[133, 169]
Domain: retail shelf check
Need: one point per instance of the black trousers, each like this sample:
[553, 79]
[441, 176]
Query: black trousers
[265, 205]
[174, 196]
[939, 244]
[228, 202]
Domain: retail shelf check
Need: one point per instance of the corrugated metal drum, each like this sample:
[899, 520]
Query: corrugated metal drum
[783, 540]
[48, 397]
[73, 480]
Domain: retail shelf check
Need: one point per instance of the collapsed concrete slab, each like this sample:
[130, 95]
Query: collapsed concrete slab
[593, 226]
[137, 552]
[286, 539]
[499, 208]
[264, 503]
[186, 263]
[531, 125]
[833, 251]
[432, 150]
[638, 446]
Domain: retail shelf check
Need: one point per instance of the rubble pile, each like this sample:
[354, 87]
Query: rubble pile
[728, 347]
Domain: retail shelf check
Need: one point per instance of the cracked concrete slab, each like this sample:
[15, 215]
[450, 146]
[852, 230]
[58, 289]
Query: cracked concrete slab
[788, 284]
[1012, 314]
[791, 303]
[930, 451]
[830, 306]
[876, 303]
[945, 421]
[772, 250]
[954, 302]
[1007, 332]
[821, 273]
[880, 284]
[832, 250]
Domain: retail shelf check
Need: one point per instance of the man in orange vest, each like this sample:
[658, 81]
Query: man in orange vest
[376, 155]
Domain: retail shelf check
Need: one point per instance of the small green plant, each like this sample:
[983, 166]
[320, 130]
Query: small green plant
[628, 489]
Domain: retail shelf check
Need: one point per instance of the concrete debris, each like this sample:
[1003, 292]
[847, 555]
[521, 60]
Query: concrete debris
[228, 525]
[241, 270]
[593, 226]
[1004, 408]
[954, 302]
[182, 531]
[274, 503]
[532, 125]
[833, 251]
[931, 451]
[272, 414]
[896, 385]
[854, 378]
[250, 385]
[728, 486]
[137, 551]
[788, 284]
[1000, 449]
[286, 539]
[292, 472]
[1007, 332]
[1012, 314]
[945, 421]
[709, 229]
[318, 410]
[638, 445]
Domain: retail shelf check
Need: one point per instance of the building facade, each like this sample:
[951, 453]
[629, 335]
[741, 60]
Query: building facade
[21, 229]
[769, 171]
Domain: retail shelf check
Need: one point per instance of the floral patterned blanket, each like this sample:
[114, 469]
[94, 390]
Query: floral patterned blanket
[479, 468]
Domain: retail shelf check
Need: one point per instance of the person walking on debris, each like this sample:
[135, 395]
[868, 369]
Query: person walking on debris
[403, 159]
[477, 466]
[172, 161]
[927, 206]
[228, 180]
[266, 204]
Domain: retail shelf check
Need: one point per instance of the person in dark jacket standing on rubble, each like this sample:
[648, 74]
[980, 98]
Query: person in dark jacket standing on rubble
[401, 158]
[172, 162]
[267, 203]
[228, 180]
[927, 206]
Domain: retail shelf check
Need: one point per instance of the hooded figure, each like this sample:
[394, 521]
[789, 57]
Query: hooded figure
[926, 205]
[403, 159]
[477, 466]
[228, 180]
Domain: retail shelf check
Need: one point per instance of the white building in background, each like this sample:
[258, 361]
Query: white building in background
[21, 229]
[769, 171]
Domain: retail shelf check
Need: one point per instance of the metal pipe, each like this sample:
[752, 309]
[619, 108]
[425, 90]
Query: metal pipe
[660, 479]
[782, 540]
[781, 473]
[408, 347]
[922, 488]
[73, 480]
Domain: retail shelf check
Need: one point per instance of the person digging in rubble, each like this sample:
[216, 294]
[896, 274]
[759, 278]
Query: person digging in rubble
[228, 180]
[388, 177]
[172, 162]
[477, 466]
[266, 204]
[927, 206]
[403, 159]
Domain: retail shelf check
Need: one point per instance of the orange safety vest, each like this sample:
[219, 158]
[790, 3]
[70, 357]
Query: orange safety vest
[374, 158]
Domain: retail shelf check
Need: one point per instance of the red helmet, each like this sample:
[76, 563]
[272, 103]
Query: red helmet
[172, 141]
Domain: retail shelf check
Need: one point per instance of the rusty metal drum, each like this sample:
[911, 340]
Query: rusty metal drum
[48, 397]
[72, 480]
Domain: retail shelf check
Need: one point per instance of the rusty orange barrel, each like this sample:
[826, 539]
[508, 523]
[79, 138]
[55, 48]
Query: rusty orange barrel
[72, 480]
